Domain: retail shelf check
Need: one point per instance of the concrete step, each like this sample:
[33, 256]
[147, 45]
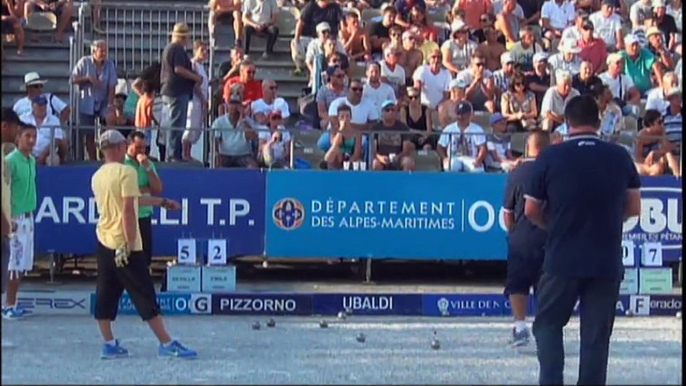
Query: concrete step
[21, 67]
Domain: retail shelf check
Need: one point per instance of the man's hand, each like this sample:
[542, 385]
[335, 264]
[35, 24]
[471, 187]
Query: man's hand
[14, 227]
[121, 256]
[143, 160]
[171, 204]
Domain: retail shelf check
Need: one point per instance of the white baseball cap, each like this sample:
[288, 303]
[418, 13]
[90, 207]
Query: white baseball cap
[458, 25]
[505, 58]
[323, 26]
[658, 3]
[630, 39]
[540, 56]
[570, 46]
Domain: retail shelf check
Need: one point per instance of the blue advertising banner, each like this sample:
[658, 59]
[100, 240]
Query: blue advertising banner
[466, 305]
[216, 203]
[367, 304]
[385, 215]
[661, 216]
[170, 304]
[262, 304]
[656, 305]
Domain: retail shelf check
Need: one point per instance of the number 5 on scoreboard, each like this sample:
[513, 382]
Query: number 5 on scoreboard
[628, 253]
[216, 252]
[186, 251]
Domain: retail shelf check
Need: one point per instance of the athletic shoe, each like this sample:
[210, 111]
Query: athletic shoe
[519, 339]
[113, 351]
[176, 350]
[12, 313]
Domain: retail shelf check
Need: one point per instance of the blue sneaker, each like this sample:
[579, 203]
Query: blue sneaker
[114, 351]
[519, 339]
[12, 313]
[176, 350]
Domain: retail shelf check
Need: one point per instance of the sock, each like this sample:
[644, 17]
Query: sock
[520, 325]
[112, 342]
[168, 344]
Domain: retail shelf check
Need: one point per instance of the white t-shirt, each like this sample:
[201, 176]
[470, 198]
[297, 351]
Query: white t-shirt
[558, 62]
[23, 105]
[618, 90]
[260, 106]
[655, 100]
[467, 76]
[433, 85]
[571, 33]
[44, 132]
[462, 143]
[278, 148]
[378, 95]
[396, 76]
[362, 113]
[560, 16]
[606, 27]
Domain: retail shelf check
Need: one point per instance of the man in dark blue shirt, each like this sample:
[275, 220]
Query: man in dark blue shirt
[525, 241]
[589, 187]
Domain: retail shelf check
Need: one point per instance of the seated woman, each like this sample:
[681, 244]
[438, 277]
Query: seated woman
[519, 105]
[418, 117]
[346, 144]
[275, 145]
[653, 154]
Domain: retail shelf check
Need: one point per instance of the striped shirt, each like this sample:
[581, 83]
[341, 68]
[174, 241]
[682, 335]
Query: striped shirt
[502, 80]
[673, 127]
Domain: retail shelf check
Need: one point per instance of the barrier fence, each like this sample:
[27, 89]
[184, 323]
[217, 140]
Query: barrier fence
[348, 214]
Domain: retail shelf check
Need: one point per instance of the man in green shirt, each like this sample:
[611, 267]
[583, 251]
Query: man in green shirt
[23, 202]
[149, 183]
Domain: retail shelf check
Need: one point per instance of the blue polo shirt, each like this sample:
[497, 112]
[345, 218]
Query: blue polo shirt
[525, 238]
[583, 182]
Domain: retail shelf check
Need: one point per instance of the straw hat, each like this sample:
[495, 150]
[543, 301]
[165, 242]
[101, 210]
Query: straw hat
[181, 29]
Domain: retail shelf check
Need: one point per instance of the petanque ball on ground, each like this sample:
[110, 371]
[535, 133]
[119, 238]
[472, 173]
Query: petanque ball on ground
[435, 344]
[271, 323]
[323, 324]
[256, 325]
[341, 315]
[361, 338]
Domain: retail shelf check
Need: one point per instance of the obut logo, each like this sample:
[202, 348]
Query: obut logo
[660, 219]
[288, 214]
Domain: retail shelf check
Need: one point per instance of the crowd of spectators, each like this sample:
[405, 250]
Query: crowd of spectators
[429, 75]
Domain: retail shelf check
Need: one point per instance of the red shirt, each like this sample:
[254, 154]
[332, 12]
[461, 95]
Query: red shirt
[594, 51]
[252, 89]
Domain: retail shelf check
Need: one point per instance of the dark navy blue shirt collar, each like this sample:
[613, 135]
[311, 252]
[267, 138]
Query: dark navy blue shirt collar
[574, 137]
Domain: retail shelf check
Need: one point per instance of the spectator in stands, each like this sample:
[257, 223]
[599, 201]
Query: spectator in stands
[332, 90]
[639, 12]
[411, 56]
[96, 77]
[481, 91]
[144, 119]
[150, 74]
[608, 25]
[585, 80]
[346, 138]
[393, 151]
[458, 50]
[657, 97]
[246, 78]
[674, 123]
[432, 81]
[611, 121]
[275, 144]
[491, 49]
[555, 100]
[375, 90]
[593, 49]
[524, 50]
[657, 47]
[420, 24]
[404, 8]
[355, 39]
[51, 143]
[229, 11]
[379, 32]
[63, 10]
[178, 82]
[232, 67]
[574, 31]
[568, 58]
[391, 70]
[418, 118]
[507, 22]
[474, 11]
[116, 118]
[556, 15]
[395, 34]
[446, 110]
[674, 9]
[197, 108]
[498, 144]
[270, 100]
[531, 9]
[316, 47]
[539, 82]
[315, 12]
[427, 47]
[259, 18]
[653, 151]
[640, 64]
[518, 105]
[503, 76]
[665, 22]
[623, 90]
[462, 145]
[487, 23]
[363, 111]
[233, 136]
[12, 13]
[34, 85]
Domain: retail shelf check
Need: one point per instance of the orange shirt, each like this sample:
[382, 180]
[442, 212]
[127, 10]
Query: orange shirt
[253, 89]
[143, 116]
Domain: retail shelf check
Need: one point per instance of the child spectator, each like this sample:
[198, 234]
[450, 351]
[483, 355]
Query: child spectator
[144, 119]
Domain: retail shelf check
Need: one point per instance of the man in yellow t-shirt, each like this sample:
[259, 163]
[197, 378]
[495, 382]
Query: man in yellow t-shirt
[121, 261]
[9, 128]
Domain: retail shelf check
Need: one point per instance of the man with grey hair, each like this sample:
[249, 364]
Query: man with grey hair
[555, 100]
[657, 97]
[96, 77]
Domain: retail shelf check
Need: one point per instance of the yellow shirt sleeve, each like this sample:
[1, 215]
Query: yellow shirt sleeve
[129, 183]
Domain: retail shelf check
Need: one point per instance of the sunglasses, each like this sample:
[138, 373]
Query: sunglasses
[434, 57]
[251, 72]
[519, 84]
[273, 88]
[356, 89]
[413, 97]
[276, 117]
[388, 110]
[36, 86]
[479, 64]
